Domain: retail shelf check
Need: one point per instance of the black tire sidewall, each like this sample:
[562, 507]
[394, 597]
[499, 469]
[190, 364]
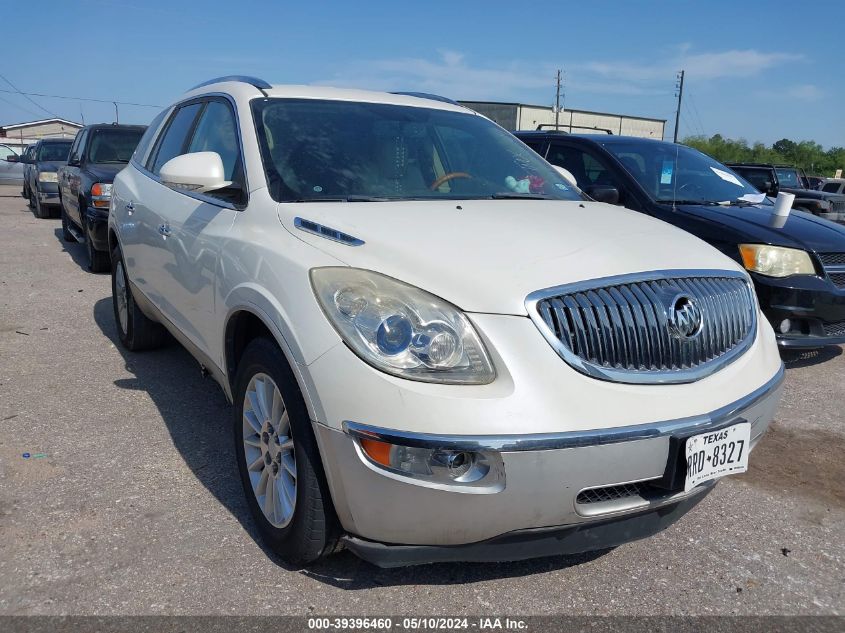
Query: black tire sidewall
[125, 337]
[296, 541]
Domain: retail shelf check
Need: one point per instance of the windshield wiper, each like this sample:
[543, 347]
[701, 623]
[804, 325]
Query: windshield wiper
[706, 203]
[512, 195]
[343, 199]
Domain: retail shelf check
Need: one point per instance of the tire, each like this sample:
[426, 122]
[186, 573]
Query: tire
[98, 261]
[41, 211]
[135, 330]
[306, 530]
[67, 236]
[31, 202]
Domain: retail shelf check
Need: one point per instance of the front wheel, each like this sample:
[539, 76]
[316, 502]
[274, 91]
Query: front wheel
[67, 236]
[135, 330]
[98, 261]
[278, 458]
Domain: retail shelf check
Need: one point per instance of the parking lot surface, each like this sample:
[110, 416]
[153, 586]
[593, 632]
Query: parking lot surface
[119, 492]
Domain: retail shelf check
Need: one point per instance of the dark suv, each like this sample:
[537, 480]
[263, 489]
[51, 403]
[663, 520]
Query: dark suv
[797, 263]
[98, 153]
[771, 179]
[42, 179]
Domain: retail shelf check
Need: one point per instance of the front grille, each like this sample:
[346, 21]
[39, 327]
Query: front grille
[838, 279]
[839, 207]
[609, 493]
[621, 328]
[834, 329]
[832, 259]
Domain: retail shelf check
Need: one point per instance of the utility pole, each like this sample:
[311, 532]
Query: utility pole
[557, 100]
[116, 117]
[679, 92]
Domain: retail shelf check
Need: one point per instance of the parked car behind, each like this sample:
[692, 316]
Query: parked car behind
[791, 180]
[798, 269]
[11, 169]
[97, 154]
[833, 185]
[42, 181]
[437, 349]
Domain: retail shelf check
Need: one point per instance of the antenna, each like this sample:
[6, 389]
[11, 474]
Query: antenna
[679, 93]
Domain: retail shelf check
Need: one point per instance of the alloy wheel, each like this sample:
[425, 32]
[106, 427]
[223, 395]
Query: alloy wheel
[269, 450]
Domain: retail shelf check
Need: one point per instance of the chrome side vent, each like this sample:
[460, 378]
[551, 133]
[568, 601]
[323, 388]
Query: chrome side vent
[659, 327]
[327, 232]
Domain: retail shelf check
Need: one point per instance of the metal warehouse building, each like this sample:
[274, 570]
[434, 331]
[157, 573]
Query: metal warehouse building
[520, 116]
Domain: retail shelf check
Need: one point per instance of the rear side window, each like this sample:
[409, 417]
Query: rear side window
[175, 137]
[216, 132]
[831, 187]
[147, 139]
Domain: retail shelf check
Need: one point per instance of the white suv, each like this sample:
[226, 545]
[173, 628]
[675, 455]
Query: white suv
[436, 347]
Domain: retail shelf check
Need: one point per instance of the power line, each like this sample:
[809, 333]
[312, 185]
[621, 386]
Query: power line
[695, 111]
[19, 107]
[112, 101]
[32, 101]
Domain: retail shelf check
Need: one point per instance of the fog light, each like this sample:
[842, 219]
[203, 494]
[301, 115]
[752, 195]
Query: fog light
[433, 464]
[785, 326]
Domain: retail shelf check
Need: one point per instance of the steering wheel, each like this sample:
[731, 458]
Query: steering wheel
[448, 177]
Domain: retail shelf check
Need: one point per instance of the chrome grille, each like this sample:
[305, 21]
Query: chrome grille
[620, 328]
[838, 279]
[839, 206]
[609, 493]
[834, 266]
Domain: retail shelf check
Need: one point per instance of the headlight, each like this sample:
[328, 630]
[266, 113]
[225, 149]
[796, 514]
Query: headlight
[776, 261]
[401, 329]
[101, 194]
[48, 176]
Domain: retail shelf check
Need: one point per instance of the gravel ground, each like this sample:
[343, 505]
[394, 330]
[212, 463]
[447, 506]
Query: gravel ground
[129, 502]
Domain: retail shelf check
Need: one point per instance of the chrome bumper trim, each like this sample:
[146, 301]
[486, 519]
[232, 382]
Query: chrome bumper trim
[572, 439]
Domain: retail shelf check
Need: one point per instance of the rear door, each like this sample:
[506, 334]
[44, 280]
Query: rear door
[69, 180]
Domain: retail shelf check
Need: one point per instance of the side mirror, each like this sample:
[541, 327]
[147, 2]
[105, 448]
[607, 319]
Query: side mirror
[199, 172]
[13, 158]
[771, 189]
[73, 161]
[603, 193]
[567, 175]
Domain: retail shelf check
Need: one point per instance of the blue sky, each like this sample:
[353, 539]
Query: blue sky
[757, 70]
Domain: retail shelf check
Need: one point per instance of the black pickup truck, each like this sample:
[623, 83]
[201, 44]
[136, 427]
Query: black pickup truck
[770, 179]
[98, 153]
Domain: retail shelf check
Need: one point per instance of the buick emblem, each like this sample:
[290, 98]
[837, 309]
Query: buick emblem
[685, 318]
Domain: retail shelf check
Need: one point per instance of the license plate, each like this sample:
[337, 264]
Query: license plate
[717, 453]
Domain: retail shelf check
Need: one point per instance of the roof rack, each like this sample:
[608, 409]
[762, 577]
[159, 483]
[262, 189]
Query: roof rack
[427, 95]
[252, 81]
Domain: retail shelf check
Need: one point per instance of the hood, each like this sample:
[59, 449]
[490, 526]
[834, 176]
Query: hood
[754, 224]
[488, 255]
[813, 194]
[50, 165]
[104, 172]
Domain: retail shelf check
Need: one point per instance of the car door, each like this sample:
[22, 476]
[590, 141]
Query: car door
[71, 177]
[10, 173]
[191, 227]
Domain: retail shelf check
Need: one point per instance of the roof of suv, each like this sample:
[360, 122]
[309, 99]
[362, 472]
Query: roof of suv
[114, 126]
[248, 88]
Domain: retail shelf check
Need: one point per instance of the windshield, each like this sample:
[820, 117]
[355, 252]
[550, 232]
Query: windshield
[53, 152]
[670, 172]
[338, 150]
[113, 146]
[789, 178]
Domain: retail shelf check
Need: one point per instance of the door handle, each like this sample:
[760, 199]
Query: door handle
[130, 207]
[164, 229]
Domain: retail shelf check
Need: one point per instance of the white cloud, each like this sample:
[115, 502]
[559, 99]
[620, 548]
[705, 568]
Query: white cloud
[805, 92]
[451, 74]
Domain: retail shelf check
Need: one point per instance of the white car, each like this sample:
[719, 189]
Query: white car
[436, 348]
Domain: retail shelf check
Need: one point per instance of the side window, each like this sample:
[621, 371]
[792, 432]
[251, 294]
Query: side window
[831, 187]
[5, 152]
[216, 132]
[537, 146]
[174, 139]
[78, 146]
[574, 160]
[147, 139]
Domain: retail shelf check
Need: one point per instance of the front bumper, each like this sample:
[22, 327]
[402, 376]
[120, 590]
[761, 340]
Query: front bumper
[815, 307]
[98, 228]
[392, 519]
[47, 192]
